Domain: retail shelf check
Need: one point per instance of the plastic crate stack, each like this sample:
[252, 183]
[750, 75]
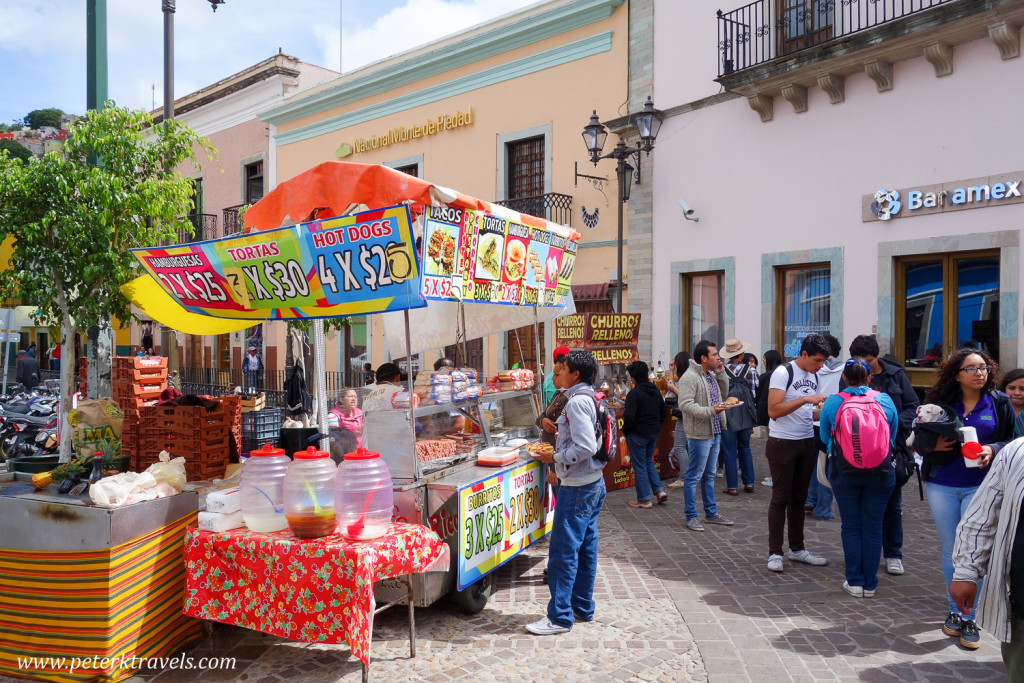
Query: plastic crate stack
[200, 436]
[261, 427]
[137, 383]
[234, 404]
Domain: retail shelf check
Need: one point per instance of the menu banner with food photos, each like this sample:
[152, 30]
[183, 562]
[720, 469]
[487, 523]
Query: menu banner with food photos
[475, 257]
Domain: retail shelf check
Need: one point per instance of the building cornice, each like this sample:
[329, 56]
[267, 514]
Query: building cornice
[579, 49]
[471, 47]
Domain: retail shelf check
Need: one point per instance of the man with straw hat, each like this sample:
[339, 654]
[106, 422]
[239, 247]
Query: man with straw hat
[736, 435]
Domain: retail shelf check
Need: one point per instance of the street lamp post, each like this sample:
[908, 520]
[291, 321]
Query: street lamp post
[648, 123]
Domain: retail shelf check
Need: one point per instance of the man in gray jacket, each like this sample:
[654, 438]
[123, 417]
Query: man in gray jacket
[572, 554]
[703, 389]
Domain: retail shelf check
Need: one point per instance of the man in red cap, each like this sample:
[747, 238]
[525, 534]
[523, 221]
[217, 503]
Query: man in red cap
[549, 386]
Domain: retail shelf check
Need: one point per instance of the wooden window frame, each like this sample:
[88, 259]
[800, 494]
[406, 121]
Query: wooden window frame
[779, 314]
[510, 161]
[686, 314]
[925, 377]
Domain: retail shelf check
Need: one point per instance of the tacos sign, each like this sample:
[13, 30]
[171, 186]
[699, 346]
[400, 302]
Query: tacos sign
[480, 258]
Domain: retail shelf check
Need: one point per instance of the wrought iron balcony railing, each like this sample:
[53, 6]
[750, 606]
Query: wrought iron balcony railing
[555, 207]
[767, 29]
[204, 226]
[232, 220]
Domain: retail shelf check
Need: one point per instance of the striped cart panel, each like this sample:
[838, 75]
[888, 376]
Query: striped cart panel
[121, 602]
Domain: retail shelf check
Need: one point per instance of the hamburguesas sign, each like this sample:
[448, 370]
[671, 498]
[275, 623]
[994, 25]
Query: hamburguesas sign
[611, 337]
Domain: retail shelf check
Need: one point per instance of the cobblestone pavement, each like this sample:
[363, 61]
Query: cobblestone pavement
[673, 605]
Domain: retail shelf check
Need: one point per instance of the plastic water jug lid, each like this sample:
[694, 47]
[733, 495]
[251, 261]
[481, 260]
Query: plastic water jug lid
[310, 453]
[362, 454]
[267, 450]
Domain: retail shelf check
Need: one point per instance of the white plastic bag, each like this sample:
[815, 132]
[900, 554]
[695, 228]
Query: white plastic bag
[123, 489]
[169, 471]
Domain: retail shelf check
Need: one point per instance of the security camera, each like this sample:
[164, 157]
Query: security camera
[687, 211]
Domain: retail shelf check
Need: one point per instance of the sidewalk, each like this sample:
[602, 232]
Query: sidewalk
[673, 605]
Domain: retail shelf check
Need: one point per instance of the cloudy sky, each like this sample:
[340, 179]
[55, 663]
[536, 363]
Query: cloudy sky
[42, 44]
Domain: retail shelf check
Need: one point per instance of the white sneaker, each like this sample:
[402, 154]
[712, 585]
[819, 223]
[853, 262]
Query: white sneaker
[775, 563]
[807, 557]
[720, 472]
[855, 591]
[677, 484]
[544, 627]
[767, 481]
[894, 565]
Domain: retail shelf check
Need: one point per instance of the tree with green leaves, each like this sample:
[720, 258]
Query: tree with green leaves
[73, 223]
[37, 118]
[15, 150]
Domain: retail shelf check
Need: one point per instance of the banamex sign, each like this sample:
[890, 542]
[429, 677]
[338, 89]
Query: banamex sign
[975, 193]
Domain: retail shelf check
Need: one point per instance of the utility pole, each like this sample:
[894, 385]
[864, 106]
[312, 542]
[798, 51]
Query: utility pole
[170, 337]
[100, 344]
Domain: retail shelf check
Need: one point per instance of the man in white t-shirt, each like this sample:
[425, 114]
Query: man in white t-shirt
[792, 450]
[819, 496]
[388, 384]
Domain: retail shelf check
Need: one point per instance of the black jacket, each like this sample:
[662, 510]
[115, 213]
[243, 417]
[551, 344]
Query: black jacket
[894, 382]
[645, 410]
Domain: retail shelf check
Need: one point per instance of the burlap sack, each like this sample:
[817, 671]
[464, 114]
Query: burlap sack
[96, 426]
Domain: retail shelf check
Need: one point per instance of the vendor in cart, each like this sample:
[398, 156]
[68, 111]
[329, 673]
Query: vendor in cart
[443, 424]
[389, 378]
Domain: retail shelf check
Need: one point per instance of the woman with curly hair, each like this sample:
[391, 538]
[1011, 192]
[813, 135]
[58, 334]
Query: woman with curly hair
[1013, 386]
[966, 383]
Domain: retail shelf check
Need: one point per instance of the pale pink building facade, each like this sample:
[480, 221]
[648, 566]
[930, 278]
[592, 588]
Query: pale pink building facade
[781, 160]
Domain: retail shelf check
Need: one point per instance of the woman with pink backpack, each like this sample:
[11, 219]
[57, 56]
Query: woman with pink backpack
[860, 425]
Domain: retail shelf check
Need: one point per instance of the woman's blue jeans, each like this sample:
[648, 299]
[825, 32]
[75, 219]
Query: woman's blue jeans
[645, 474]
[862, 500]
[948, 504]
[736, 450]
[572, 553]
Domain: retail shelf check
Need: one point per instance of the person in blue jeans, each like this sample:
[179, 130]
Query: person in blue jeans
[819, 496]
[703, 389]
[736, 453]
[862, 497]
[966, 382]
[641, 424]
[572, 555]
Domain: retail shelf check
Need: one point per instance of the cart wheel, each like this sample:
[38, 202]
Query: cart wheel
[474, 598]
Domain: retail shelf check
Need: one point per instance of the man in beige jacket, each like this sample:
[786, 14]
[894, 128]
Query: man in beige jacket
[703, 389]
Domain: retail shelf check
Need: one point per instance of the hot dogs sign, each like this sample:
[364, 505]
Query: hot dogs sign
[471, 256]
[357, 264]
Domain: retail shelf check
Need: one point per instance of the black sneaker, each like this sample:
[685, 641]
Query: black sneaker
[969, 636]
[953, 626]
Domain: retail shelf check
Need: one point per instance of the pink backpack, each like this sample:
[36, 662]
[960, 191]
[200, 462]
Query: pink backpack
[860, 435]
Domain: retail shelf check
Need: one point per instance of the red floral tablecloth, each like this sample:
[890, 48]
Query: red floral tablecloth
[312, 590]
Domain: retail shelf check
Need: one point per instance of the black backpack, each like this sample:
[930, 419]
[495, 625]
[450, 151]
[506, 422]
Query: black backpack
[762, 394]
[743, 417]
[606, 430]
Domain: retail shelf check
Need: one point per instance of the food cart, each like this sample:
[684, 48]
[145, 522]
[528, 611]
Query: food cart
[362, 261]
